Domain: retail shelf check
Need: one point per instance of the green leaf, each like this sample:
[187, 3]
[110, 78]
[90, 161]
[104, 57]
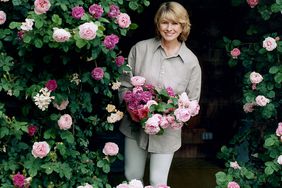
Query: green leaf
[38, 43]
[50, 133]
[269, 142]
[80, 43]
[4, 131]
[68, 136]
[278, 78]
[273, 69]
[133, 26]
[133, 5]
[33, 165]
[26, 38]
[268, 170]
[14, 25]
[56, 19]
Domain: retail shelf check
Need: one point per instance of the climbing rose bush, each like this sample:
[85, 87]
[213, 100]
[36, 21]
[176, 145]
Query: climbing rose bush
[60, 64]
[253, 156]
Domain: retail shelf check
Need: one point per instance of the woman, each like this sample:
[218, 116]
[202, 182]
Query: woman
[164, 61]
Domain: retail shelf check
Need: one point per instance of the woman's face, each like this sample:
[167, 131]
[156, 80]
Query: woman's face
[169, 30]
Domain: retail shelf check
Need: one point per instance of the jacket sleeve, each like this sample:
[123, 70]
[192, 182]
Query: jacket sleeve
[194, 85]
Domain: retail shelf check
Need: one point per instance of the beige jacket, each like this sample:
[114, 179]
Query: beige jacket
[181, 72]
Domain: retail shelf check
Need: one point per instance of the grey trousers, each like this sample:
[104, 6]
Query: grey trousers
[135, 161]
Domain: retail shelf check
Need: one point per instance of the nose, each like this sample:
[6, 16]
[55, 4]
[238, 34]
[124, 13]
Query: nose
[169, 26]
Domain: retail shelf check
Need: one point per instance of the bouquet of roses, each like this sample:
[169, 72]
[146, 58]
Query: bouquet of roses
[156, 109]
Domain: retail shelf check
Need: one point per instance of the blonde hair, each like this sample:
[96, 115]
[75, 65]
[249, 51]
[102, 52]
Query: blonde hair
[175, 12]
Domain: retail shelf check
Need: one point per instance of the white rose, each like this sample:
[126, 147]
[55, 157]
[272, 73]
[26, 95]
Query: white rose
[61, 35]
[88, 30]
[2, 17]
[269, 43]
[279, 160]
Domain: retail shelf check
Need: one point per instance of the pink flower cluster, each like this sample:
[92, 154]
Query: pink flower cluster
[175, 110]
[253, 3]
[51, 85]
[255, 79]
[269, 43]
[111, 149]
[110, 41]
[40, 149]
[97, 73]
[279, 130]
[41, 6]
[2, 17]
[137, 99]
[18, 180]
[235, 53]
[65, 122]
[233, 184]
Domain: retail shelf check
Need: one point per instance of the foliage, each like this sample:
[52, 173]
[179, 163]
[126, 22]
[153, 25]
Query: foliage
[32, 59]
[256, 147]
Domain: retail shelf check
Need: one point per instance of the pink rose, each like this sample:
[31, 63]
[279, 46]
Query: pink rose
[51, 85]
[233, 184]
[163, 186]
[249, 107]
[18, 180]
[279, 160]
[2, 17]
[269, 43]
[88, 30]
[65, 122]
[114, 11]
[138, 81]
[170, 91]
[61, 35]
[41, 6]
[279, 129]
[96, 10]
[152, 124]
[62, 106]
[110, 41]
[97, 73]
[182, 114]
[183, 100]
[255, 78]
[77, 12]
[164, 122]
[119, 61]
[235, 53]
[176, 125]
[135, 183]
[262, 100]
[194, 108]
[123, 185]
[123, 20]
[253, 3]
[31, 129]
[235, 165]
[40, 149]
[110, 149]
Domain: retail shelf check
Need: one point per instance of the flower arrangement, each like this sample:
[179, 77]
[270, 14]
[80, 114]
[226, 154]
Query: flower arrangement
[158, 109]
[253, 156]
[60, 64]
